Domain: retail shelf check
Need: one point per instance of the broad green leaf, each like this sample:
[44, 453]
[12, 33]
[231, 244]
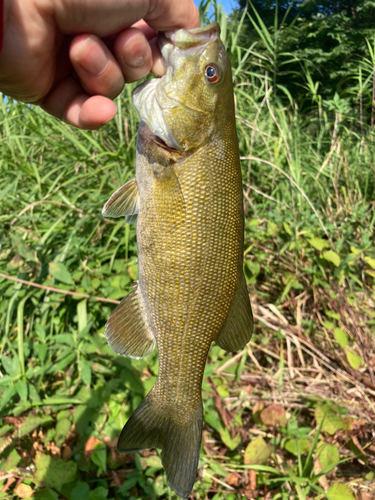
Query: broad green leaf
[61, 273]
[340, 492]
[7, 363]
[40, 331]
[229, 442]
[10, 462]
[319, 244]
[257, 452]
[22, 249]
[292, 446]
[31, 423]
[213, 420]
[21, 388]
[370, 261]
[53, 473]
[332, 256]
[64, 338]
[341, 337]
[62, 429]
[287, 228]
[42, 352]
[99, 456]
[328, 456]
[7, 395]
[353, 359]
[98, 493]
[80, 491]
[82, 314]
[332, 421]
[333, 315]
[272, 228]
[47, 494]
[85, 371]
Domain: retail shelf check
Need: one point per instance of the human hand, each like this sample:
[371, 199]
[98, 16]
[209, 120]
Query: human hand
[73, 56]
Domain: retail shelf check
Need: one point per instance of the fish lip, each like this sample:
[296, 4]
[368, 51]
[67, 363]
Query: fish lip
[185, 40]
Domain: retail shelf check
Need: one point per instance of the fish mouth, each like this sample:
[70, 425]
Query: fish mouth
[155, 96]
[183, 39]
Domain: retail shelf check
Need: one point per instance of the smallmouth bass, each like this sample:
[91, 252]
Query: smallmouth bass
[187, 201]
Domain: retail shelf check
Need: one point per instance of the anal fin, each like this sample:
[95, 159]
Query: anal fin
[127, 330]
[123, 202]
[238, 328]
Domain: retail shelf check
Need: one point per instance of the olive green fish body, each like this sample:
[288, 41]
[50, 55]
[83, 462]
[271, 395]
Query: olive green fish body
[187, 197]
[190, 265]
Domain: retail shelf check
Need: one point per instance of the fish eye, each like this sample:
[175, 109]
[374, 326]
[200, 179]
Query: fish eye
[212, 73]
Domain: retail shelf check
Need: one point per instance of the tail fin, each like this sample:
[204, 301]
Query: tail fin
[151, 427]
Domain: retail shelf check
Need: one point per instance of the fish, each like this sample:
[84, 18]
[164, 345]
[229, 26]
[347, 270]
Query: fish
[186, 199]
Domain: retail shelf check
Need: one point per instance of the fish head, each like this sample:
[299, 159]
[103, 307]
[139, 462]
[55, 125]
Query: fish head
[182, 108]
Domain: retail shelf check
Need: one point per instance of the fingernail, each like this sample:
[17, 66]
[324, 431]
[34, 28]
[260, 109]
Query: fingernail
[91, 56]
[135, 52]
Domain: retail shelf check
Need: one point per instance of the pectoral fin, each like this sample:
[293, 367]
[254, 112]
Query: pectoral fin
[238, 328]
[127, 330]
[123, 202]
[168, 198]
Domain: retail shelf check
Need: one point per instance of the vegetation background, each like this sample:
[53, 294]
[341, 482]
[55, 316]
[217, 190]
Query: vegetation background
[292, 415]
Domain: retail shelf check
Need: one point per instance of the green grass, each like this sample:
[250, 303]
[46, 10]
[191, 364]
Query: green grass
[292, 415]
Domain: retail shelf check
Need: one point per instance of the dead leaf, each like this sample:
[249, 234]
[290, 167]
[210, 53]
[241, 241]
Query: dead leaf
[252, 479]
[232, 479]
[55, 450]
[16, 421]
[365, 495]
[111, 443]
[90, 445]
[274, 416]
[116, 479]
[8, 484]
[322, 479]
[24, 491]
[66, 452]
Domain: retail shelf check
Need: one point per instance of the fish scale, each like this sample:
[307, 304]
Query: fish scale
[187, 202]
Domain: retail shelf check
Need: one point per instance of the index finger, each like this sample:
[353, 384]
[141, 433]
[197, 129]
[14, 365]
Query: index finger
[112, 16]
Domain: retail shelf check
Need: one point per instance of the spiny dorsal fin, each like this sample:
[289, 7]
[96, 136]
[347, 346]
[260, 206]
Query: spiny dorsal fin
[123, 202]
[127, 330]
[238, 328]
